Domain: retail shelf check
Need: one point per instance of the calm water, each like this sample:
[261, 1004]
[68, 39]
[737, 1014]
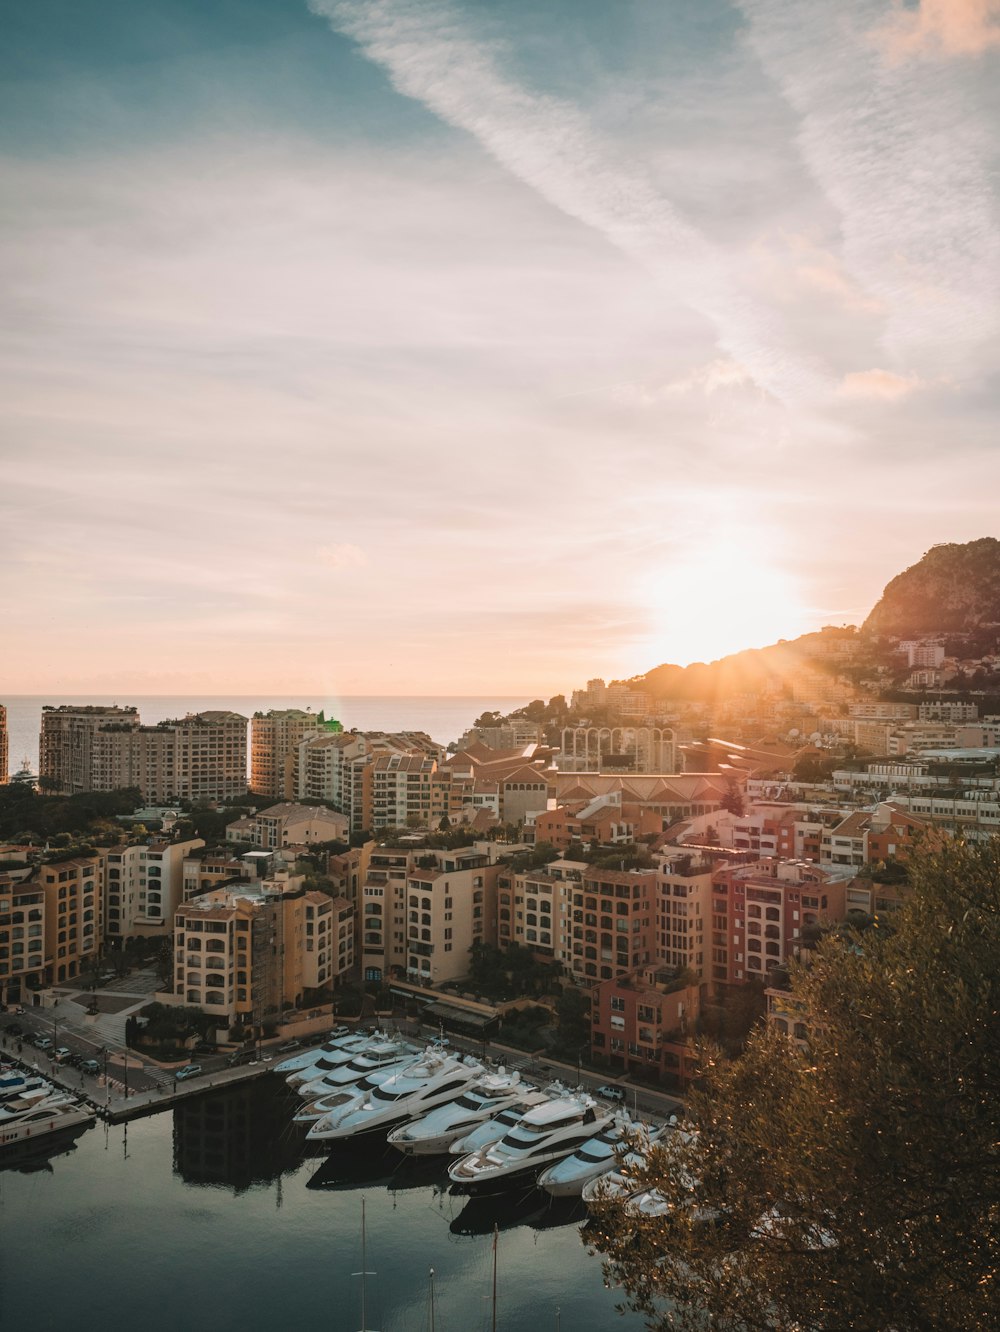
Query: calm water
[443, 718]
[210, 1217]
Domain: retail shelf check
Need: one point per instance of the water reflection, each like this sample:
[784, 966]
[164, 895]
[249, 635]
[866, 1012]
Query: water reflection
[29, 1157]
[533, 1208]
[237, 1137]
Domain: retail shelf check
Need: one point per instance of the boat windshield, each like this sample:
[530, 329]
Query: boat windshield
[470, 1101]
[383, 1094]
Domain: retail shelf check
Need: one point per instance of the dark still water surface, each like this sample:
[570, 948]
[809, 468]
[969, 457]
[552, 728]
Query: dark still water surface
[211, 1217]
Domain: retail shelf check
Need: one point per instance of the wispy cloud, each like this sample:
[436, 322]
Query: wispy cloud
[904, 154]
[884, 384]
[341, 555]
[936, 28]
[547, 142]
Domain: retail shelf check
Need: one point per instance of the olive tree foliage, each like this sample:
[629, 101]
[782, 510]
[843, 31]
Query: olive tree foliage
[854, 1183]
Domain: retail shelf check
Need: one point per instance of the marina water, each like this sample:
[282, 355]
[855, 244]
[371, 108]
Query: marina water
[211, 1216]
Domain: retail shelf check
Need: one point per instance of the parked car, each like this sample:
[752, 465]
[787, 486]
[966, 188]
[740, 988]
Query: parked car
[286, 1047]
[90, 1066]
[62, 1053]
[188, 1071]
[612, 1093]
[242, 1057]
[42, 1042]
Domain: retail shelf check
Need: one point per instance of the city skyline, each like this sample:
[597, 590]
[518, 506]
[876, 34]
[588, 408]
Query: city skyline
[396, 347]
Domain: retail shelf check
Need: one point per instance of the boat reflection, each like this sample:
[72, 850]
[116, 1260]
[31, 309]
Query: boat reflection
[237, 1137]
[533, 1208]
[348, 1166]
[28, 1157]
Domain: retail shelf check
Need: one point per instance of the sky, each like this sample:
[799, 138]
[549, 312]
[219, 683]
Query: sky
[397, 346]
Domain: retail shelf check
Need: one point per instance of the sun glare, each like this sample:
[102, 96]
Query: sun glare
[729, 597]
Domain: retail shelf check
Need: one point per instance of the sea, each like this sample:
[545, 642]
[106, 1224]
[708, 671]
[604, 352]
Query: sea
[444, 718]
[212, 1217]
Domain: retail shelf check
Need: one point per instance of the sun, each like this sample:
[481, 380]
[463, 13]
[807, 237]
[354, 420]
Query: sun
[721, 598]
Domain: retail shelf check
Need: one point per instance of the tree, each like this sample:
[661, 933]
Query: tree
[852, 1182]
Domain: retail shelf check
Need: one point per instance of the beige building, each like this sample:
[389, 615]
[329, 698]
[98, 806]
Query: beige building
[73, 911]
[289, 824]
[396, 791]
[330, 767]
[275, 737]
[199, 757]
[22, 938]
[421, 911]
[87, 749]
[4, 747]
[249, 953]
[202, 756]
[144, 886]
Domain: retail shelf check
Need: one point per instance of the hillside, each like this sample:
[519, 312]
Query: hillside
[953, 589]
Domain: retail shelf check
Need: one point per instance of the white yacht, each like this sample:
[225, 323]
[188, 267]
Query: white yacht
[431, 1080]
[384, 1054]
[14, 1083]
[624, 1141]
[43, 1120]
[544, 1134]
[306, 1058]
[356, 1092]
[341, 1052]
[437, 1130]
[493, 1129]
[621, 1181]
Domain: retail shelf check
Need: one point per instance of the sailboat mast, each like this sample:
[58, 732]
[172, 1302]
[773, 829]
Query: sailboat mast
[432, 1298]
[364, 1270]
[493, 1324]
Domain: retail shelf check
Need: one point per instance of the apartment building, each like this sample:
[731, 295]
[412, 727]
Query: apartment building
[614, 922]
[200, 757]
[73, 914]
[144, 886]
[289, 824]
[421, 911]
[396, 791]
[535, 909]
[4, 747]
[684, 910]
[87, 748]
[248, 953]
[23, 960]
[330, 767]
[759, 911]
[640, 1023]
[275, 737]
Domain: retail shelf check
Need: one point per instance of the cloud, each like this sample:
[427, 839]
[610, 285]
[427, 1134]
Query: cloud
[904, 154]
[341, 555]
[936, 28]
[548, 143]
[884, 384]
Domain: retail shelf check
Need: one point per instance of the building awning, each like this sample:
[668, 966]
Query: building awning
[458, 1017]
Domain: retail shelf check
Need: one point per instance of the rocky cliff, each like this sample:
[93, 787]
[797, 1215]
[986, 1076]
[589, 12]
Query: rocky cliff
[953, 589]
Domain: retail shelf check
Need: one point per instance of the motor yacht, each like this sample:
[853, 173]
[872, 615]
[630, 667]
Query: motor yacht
[306, 1058]
[622, 1180]
[356, 1092]
[437, 1130]
[14, 1083]
[384, 1054]
[546, 1133]
[624, 1141]
[493, 1129]
[43, 1120]
[340, 1052]
[433, 1079]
